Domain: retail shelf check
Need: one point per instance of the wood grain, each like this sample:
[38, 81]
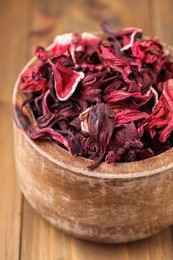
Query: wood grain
[163, 20]
[10, 199]
[24, 24]
[53, 244]
[12, 47]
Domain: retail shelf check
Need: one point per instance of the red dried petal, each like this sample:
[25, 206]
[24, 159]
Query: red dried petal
[28, 84]
[74, 43]
[69, 141]
[48, 132]
[125, 116]
[162, 116]
[65, 79]
[84, 119]
[124, 138]
[44, 103]
[125, 37]
[89, 42]
[149, 51]
[123, 99]
[62, 43]
[45, 120]
[101, 121]
[133, 35]
[41, 53]
[116, 62]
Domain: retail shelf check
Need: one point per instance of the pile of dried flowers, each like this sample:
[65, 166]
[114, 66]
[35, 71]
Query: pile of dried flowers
[107, 98]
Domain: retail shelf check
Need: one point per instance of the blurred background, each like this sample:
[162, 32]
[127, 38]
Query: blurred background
[24, 24]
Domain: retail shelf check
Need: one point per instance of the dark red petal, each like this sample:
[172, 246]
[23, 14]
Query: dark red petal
[161, 119]
[101, 121]
[45, 120]
[69, 141]
[48, 132]
[124, 138]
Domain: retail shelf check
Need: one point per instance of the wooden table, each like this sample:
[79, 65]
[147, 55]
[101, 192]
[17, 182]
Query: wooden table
[23, 25]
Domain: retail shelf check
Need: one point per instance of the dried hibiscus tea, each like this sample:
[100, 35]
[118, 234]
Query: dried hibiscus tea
[106, 97]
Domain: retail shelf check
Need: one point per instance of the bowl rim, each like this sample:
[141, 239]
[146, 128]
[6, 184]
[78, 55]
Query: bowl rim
[78, 165]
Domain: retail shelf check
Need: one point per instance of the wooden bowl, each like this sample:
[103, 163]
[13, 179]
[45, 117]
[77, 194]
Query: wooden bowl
[111, 204]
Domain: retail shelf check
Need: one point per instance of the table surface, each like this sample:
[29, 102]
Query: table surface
[23, 25]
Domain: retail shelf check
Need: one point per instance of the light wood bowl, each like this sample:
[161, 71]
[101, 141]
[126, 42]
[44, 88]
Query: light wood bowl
[111, 204]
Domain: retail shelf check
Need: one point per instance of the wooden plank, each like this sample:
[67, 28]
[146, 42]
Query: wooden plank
[10, 196]
[39, 239]
[163, 20]
[135, 250]
[162, 24]
[12, 58]
[42, 241]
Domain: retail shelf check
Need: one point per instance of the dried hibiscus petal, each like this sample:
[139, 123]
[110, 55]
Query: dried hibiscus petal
[127, 116]
[124, 39]
[162, 116]
[63, 137]
[124, 99]
[125, 137]
[62, 43]
[65, 80]
[150, 51]
[101, 121]
[29, 84]
[114, 61]
[84, 119]
[128, 43]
